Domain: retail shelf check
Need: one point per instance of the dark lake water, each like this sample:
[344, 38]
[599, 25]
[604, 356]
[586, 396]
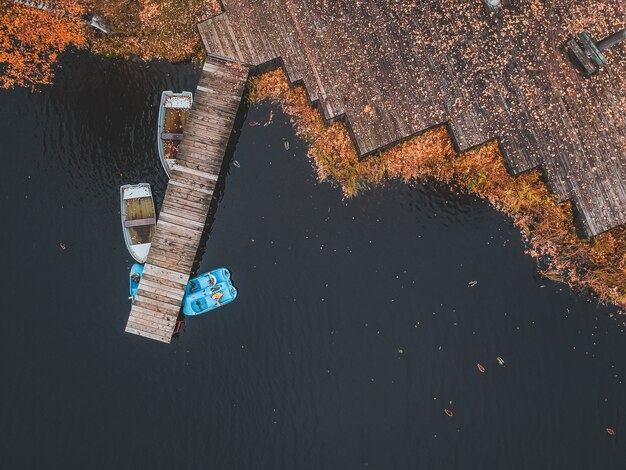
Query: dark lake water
[354, 328]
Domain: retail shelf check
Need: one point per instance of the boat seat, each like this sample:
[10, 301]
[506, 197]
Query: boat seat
[140, 222]
[170, 136]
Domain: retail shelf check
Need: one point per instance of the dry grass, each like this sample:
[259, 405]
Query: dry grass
[597, 265]
[161, 29]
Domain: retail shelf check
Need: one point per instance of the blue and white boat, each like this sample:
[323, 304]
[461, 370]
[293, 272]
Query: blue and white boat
[208, 291]
[134, 277]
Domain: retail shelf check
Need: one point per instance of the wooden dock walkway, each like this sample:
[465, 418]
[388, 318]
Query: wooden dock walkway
[396, 68]
[183, 214]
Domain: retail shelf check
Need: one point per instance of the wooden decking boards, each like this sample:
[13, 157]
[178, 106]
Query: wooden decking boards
[186, 204]
[414, 65]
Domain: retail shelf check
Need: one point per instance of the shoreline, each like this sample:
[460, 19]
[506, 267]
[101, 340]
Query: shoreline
[596, 265]
[153, 31]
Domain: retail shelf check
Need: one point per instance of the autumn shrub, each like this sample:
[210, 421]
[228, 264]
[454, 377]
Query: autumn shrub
[31, 40]
[547, 226]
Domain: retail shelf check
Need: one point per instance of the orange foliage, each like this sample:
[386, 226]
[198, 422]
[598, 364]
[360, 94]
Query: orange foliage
[31, 40]
[597, 265]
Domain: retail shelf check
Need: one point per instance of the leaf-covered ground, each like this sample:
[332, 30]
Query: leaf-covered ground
[153, 28]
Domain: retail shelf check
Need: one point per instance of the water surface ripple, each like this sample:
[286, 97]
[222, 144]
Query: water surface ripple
[354, 329]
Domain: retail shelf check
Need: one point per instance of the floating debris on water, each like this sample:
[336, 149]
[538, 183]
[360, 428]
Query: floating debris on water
[448, 412]
[500, 360]
[553, 275]
[472, 283]
[481, 368]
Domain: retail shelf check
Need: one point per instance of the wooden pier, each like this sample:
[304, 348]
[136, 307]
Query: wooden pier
[394, 68]
[183, 214]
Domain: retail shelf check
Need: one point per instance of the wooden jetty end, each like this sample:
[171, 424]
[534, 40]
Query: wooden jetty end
[396, 68]
[187, 199]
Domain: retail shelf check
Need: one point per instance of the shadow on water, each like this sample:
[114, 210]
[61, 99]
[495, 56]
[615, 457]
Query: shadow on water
[218, 194]
[354, 329]
[220, 187]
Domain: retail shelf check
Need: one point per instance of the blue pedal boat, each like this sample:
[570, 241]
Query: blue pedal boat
[208, 291]
[134, 277]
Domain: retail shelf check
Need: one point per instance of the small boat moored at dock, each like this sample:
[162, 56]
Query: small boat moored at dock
[173, 112]
[134, 277]
[138, 219]
[208, 291]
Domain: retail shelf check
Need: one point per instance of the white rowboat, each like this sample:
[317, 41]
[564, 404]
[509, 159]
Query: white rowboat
[173, 112]
[138, 219]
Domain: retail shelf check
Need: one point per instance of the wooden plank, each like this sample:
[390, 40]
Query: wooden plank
[159, 317]
[145, 334]
[139, 222]
[211, 145]
[208, 149]
[177, 251]
[194, 156]
[179, 231]
[209, 166]
[171, 136]
[166, 274]
[150, 321]
[158, 307]
[155, 288]
[174, 262]
[174, 219]
[162, 282]
[173, 254]
[189, 210]
[200, 182]
[165, 287]
[165, 297]
[190, 185]
[187, 202]
[189, 195]
[197, 173]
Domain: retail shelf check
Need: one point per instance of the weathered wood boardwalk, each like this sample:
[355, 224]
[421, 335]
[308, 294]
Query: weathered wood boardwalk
[395, 68]
[187, 199]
